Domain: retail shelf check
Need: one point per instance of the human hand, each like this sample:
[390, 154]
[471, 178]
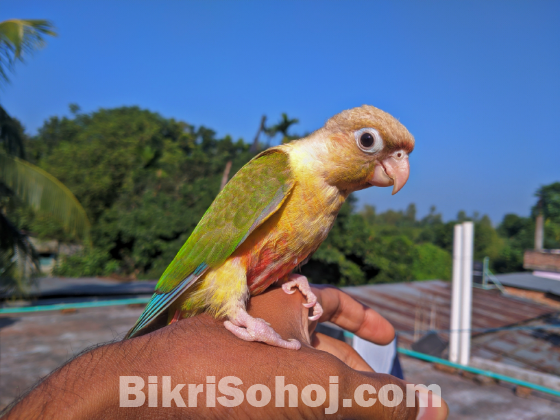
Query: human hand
[192, 350]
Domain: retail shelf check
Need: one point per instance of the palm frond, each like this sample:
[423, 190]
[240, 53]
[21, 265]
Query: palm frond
[44, 192]
[19, 37]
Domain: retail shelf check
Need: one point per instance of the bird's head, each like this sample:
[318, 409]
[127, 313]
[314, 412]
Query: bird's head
[364, 146]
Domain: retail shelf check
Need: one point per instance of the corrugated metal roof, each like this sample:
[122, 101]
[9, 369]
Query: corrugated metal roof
[537, 349]
[424, 306]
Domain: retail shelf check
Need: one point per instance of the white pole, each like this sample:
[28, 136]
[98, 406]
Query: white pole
[466, 292]
[456, 294]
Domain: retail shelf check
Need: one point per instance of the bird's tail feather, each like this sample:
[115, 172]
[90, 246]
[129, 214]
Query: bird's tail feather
[161, 301]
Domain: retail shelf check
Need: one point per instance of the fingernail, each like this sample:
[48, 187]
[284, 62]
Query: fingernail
[426, 410]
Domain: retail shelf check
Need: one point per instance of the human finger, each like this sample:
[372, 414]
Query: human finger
[353, 316]
[341, 350]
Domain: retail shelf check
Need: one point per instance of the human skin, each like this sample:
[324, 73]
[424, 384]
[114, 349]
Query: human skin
[191, 349]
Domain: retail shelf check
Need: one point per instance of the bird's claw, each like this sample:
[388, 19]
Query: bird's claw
[300, 282]
[247, 328]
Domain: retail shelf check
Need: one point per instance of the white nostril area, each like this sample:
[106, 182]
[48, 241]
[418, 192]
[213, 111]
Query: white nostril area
[399, 155]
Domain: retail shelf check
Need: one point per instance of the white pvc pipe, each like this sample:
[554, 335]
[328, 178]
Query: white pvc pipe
[456, 295]
[466, 292]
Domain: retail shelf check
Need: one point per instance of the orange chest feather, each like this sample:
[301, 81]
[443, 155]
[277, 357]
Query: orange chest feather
[289, 236]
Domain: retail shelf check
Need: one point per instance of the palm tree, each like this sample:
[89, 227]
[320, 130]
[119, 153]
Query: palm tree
[43, 192]
[29, 183]
[282, 127]
[19, 37]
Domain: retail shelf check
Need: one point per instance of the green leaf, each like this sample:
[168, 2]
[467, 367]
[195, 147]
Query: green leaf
[19, 36]
[43, 192]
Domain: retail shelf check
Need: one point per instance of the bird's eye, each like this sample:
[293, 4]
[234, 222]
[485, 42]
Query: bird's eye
[366, 140]
[369, 140]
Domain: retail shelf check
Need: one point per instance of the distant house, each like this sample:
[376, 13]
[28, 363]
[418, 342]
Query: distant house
[540, 286]
[545, 260]
[543, 283]
[50, 250]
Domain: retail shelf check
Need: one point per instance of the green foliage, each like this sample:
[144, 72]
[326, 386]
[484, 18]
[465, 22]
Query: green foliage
[549, 195]
[145, 182]
[43, 192]
[90, 262]
[11, 135]
[518, 235]
[19, 37]
[549, 204]
[282, 128]
[431, 262]
[518, 232]
[368, 247]
[18, 260]
[33, 199]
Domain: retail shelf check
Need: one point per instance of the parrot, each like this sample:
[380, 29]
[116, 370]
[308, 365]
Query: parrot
[271, 217]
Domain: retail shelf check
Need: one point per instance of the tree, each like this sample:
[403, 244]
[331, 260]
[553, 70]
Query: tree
[144, 180]
[518, 234]
[549, 204]
[21, 180]
[11, 135]
[262, 128]
[18, 259]
[282, 128]
[43, 192]
[18, 38]
[367, 247]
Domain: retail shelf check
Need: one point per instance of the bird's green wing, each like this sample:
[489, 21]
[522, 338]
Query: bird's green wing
[247, 200]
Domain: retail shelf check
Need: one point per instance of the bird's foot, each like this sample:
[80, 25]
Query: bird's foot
[247, 328]
[300, 282]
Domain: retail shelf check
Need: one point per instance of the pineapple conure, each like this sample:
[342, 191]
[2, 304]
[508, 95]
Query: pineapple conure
[271, 217]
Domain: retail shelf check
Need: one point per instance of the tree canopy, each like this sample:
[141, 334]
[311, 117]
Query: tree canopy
[20, 181]
[145, 182]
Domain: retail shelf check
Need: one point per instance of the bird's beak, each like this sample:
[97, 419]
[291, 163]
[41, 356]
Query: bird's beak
[393, 170]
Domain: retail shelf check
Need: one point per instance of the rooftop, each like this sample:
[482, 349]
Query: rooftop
[416, 308]
[32, 345]
[538, 281]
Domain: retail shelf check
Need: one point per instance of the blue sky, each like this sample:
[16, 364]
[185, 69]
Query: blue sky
[477, 83]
